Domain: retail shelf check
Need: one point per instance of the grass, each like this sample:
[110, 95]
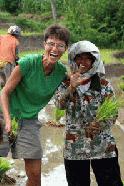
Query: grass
[30, 24]
[64, 58]
[22, 54]
[121, 85]
[106, 55]
[35, 25]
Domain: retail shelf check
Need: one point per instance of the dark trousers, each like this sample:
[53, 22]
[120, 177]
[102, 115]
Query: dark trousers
[107, 172]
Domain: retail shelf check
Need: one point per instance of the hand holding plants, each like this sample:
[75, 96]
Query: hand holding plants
[107, 110]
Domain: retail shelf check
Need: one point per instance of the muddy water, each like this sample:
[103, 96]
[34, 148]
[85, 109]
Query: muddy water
[53, 173]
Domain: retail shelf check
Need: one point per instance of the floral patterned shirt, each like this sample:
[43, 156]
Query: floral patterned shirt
[80, 111]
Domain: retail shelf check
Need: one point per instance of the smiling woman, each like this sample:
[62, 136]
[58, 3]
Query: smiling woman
[88, 141]
[54, 49]
[29, 88]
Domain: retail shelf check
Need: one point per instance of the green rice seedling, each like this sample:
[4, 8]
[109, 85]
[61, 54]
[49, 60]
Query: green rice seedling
[14, 126]
[14, 131]
[122, 77]
[121, 85]
[4, 167]
[58, 114]
[107, 110]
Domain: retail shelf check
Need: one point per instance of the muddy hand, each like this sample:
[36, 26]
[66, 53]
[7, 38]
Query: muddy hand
[76, 79]
[8, 128]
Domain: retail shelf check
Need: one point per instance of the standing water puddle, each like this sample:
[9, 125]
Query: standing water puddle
[53, 173]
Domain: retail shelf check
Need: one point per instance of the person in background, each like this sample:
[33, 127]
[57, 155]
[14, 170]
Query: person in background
[9, 45]
[29, 88]
[87, 143]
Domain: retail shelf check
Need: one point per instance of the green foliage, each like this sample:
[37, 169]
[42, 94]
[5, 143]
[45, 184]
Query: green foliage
[12, 6]
[100, 22]
[57, 114]
[2, 6]
[14, 131]
[14, 127]
[106, 55]
[121, 83]
[97, 21]
[107, 110]
[108, 21]
[122, 77]
[4, 166]
[35, 6]
[31, 25]
[28, 24]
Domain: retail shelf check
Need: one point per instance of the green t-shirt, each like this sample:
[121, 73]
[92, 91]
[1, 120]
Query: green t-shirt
[35, 89]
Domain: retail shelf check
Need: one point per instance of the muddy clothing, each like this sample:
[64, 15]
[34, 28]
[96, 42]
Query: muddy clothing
[81, 109]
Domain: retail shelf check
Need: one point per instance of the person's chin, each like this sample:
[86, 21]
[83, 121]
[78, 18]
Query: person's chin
[53, 61]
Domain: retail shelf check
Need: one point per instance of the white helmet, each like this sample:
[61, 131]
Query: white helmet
[14, 30]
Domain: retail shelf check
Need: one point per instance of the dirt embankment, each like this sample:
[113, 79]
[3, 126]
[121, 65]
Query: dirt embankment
[114, 70]
[31, 43]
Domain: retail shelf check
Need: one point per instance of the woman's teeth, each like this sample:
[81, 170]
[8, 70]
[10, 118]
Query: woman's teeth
[53, 55]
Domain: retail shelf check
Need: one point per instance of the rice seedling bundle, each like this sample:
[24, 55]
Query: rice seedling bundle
[107, 110]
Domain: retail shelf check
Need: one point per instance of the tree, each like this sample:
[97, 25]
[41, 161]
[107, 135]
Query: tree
[53, 7]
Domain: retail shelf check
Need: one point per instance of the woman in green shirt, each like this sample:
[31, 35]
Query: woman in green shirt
[29, 88]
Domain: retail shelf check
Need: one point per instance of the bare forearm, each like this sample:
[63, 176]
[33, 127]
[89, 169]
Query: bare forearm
[5, 109]
[11, 84]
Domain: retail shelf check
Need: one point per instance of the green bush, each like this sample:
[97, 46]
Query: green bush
[12, 6]
[28, 24]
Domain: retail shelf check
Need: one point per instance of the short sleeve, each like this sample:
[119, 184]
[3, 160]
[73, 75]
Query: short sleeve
[25, 64]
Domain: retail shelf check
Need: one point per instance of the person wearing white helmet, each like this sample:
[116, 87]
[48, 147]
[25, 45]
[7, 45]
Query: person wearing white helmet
[14, 30]
[87, 143]
[9, 45]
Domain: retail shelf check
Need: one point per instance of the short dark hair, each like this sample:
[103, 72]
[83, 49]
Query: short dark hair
[59, 32]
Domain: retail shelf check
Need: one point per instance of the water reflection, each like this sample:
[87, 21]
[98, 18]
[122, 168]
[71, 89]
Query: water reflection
[52, 164]
[52, 142]
[53, 173]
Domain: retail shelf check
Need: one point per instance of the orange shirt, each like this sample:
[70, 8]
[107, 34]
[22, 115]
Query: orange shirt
[8, 44]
